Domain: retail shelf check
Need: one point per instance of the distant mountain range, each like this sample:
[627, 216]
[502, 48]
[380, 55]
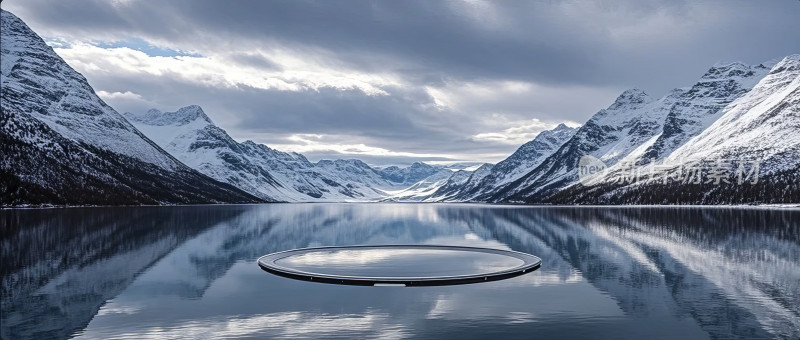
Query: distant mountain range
[61, 144]
[190, 136]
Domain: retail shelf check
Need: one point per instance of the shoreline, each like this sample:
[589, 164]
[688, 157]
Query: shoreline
[771, 206]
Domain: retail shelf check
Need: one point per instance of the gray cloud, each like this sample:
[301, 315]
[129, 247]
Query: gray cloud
[255, 60]
[563, 42]
[575, 55]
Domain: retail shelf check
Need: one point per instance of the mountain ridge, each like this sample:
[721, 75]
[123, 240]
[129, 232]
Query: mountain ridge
[61, 144]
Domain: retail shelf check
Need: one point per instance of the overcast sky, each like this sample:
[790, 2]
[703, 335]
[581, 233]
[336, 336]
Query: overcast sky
[393, 82]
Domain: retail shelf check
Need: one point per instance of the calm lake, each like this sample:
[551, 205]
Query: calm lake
[191, 272]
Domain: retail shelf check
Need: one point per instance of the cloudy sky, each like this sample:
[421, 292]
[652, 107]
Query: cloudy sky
[392, 82]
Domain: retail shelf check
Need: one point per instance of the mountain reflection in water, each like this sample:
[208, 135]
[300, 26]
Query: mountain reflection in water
[154, 272]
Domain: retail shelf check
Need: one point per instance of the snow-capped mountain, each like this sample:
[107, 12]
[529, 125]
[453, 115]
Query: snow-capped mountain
[698, 107]
[409, 175]
[468, 166]
[425, 188]
[356, 173]
[488, 178]
[189, 133]
[638, 130]
[61, 144]
[609, 135]
[191, 136]
[301, 180]
[762, 124]
[758, 127]
[460, 188]
[452, 186]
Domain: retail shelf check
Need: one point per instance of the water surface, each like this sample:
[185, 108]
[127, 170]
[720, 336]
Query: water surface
[187, 272]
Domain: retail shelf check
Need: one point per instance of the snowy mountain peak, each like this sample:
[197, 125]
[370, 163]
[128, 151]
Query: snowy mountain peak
[344, 162]
[483, 169]
[408, 175]
[419, 165]
[727, 71]
[772, 62]
[631, 97]
[549, 134]
[789, 64]
[626, 109]
[183, 116]
[793, 57]
[559, 128]
[191, 113]
[725, 64]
